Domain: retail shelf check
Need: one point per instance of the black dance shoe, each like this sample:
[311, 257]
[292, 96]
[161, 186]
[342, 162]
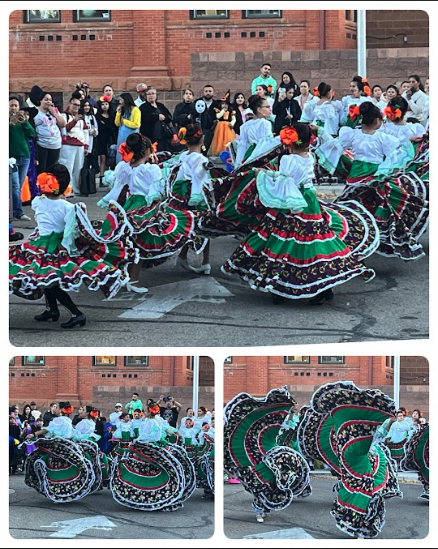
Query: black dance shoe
[47, 315]
[321, 298]
[74, 321]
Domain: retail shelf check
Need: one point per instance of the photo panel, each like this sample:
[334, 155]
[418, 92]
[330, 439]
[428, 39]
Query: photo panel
[326, 447]
[108, 446]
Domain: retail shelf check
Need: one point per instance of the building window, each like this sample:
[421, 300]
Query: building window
[33, 361]
[390, 362]
[296, 359]
[12, 361]
[189, 363]
[136, 361]
[104, 361]
[209, 14]
[331, 360]
[82, 16]
[261, 14]
[42, 16]
[228, 360]
[351, 15]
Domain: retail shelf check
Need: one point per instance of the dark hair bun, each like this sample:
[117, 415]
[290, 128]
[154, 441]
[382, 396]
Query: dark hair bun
[323, 89]
[254, 102]
[369, 112]
[194, 134]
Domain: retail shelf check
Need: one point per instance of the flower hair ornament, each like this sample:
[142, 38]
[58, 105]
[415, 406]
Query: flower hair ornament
[269, 88]
[105, 99]
[316, 91]
[67, 410]
[289, 136]
[182, 136]
[189, 422]
[353, 112]
[94, 413]
[392, 112]
[126, 153]
[48, 183]
[154, 409]
[366, 88]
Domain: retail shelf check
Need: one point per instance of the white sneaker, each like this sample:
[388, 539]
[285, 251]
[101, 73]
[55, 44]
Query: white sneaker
[260, 518]
[204, 269]
[23, 217]
[138, 290]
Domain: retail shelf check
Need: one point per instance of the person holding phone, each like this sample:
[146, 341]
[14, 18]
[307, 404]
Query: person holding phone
[20, 131]
[416, 99]
[169, 409]
[75, 141]
[48, 125]
[286, 110]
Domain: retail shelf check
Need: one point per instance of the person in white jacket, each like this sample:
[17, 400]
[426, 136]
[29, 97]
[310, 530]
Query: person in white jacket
[416, 99]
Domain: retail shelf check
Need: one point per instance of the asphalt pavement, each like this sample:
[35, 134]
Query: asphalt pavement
[99, 516]
[183, 309]
[406, 518]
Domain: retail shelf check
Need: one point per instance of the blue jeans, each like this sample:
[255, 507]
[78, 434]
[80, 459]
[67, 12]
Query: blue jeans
[18, 178]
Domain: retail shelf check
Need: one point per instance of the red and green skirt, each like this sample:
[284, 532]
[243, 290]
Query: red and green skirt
[399, 203]
[152, 477]
[299, 255]
[61, 470]
[273, 474]
[416, 457]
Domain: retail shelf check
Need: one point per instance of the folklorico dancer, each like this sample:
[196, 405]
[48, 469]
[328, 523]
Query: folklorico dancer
[272, 473]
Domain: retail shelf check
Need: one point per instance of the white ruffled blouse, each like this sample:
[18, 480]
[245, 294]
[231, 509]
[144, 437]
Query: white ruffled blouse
[193, 167]
[257, 131]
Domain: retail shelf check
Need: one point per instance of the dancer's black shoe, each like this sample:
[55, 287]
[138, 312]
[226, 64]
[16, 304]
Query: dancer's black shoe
[47, 315]
[74, 321]
[321, 298]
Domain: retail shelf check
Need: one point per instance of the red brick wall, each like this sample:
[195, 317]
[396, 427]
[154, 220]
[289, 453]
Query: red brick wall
[75, 378]
[384, 24]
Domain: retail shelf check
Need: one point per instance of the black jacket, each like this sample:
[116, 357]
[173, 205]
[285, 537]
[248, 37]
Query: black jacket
[279, 109]
[149, 116]
[181, 113]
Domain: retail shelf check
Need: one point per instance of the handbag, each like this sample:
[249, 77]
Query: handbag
[87, 182]
[166, 131]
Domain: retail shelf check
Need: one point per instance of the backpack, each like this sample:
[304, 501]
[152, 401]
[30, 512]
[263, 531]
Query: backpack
[87, 181]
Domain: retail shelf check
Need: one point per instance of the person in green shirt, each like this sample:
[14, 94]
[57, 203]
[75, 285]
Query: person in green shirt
[20, 131]
[135, 404]
[266, 79]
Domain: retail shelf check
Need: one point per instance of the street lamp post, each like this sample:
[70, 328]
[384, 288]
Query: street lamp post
[397, 382]
[361, 43]
[195, 384]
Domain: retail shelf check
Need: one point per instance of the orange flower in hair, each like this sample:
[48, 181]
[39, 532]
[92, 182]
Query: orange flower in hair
[367, 90]
[126, 153]
[95, 413]
[48, 183]
[105, 98]
[392, 113]
[289, 136]
[316, 91]
[155, 409]
[269, 88]
[182, 136]
[68, 410]
[353, 112]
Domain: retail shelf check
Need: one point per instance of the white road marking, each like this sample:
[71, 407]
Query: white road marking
[71, 528]
[11, 491]
[163, 299]
[290, 533]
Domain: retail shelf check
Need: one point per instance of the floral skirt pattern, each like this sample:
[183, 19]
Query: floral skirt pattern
[202, 457]
[151, 477]
[273, 474]
[416, 457]
[62, 470]
[100, 261]
[399, 204]
[298, 255]
[349, 418]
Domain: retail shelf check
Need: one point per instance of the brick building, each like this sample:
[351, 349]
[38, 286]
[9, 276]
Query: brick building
[103, 380]
[303, 374]
[171, 49]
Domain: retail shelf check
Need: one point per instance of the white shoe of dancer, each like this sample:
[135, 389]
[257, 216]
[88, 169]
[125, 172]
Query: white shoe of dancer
[183, 263]
[260, 518]
[139, 290]
[204, 269]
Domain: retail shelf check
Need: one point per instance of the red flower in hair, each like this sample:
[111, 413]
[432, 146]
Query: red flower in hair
[312, 139]
[392, 113]
[367, 90]
[155, 409]
[269, 88]
[106, 98]
[289, 136]
[353, 112]
[48, 183]
[316, 92]
[126, 153]
[68, 410]
[95, 413]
